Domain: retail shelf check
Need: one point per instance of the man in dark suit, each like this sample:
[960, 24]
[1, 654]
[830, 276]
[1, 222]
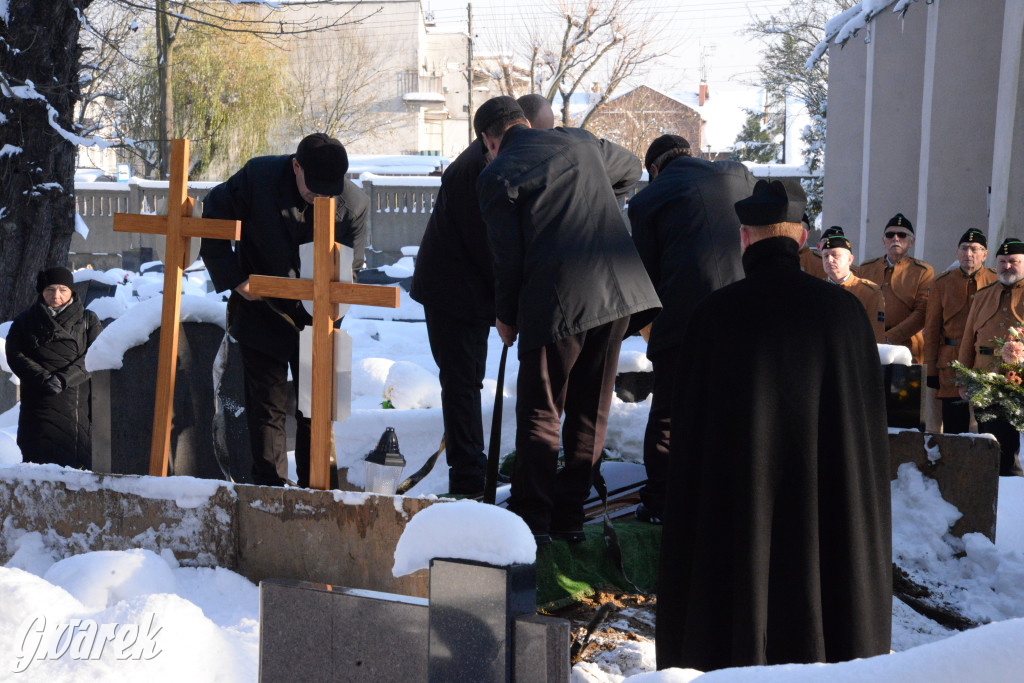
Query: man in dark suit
[273, 197]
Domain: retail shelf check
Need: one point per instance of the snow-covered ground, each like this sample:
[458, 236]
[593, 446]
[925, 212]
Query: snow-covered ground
[203, 623]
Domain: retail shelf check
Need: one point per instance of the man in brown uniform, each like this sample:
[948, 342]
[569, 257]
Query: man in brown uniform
[995, 310]
[836, 258]
[949, 302]
[904, 281]
[810, 259]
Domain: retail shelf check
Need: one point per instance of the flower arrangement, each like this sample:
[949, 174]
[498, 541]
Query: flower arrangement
[998, 392]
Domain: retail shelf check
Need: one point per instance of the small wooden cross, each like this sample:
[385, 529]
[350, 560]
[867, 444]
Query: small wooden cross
[179, 227]
[326, 292]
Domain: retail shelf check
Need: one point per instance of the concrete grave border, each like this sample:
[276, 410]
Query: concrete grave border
[260, 532]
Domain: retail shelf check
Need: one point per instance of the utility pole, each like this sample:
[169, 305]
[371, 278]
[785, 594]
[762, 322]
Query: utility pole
[469, 73]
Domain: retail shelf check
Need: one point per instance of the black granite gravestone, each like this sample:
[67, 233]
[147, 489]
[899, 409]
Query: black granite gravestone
[123, 404]
[634, 387]
[903, 395]
[8, 392]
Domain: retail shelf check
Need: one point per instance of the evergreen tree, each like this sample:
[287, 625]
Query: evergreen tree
[756, 142]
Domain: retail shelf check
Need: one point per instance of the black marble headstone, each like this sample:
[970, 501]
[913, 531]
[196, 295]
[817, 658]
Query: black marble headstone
[634, 387]
[472, 608]
[903, 395]
[124, 401]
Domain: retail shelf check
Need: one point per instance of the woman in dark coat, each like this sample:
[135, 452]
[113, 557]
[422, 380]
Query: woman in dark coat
[46, 348]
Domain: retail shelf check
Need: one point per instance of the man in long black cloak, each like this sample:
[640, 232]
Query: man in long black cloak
[777, 544]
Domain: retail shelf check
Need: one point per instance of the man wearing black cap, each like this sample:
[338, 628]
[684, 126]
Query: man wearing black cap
[995, 310]
[810, 259]
[777, 538]
[949, 302]
[273, 197]
[904, 281]
[684, 227]
[836, 260]
[567, 280]
[454, 280]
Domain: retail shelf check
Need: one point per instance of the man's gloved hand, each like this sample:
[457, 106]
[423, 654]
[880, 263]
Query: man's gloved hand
[932, 381]
[53, 385]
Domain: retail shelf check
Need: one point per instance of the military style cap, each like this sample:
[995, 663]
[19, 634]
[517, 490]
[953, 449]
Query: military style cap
[662, 144]
[324, 164]
[900, 221]
[837, 242]
[974, 235]
[495, 109]
[834, 230]
[1011, 245]
[778, 201]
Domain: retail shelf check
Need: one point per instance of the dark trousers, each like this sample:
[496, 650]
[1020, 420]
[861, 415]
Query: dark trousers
[656, 437]
[266, 398]
[956, 416]
[460, 351]
[1009, 444]
[575, 375]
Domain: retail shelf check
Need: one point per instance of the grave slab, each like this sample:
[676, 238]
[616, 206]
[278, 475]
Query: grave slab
[966, 468]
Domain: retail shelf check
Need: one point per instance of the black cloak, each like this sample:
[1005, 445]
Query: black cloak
[777, 543]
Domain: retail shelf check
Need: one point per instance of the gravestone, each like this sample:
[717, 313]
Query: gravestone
[123, 402]
[9, 394]
[966, 468]
[480, 624]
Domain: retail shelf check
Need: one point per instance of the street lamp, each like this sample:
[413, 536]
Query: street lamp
[384, 465]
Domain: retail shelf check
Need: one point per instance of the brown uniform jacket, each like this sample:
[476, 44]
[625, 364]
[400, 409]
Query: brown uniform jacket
[870, 296]
[949, 302]
[995, 310]
[905, 287]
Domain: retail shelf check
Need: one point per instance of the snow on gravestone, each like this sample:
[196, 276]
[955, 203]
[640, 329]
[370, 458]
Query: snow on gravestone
[123, 360]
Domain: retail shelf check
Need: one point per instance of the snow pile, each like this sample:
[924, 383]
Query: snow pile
[135, 325]
[464, 530]
[984, 581]
[892, 354]
[634, 361]
[410, 386]
[990, 653]
[199, 624]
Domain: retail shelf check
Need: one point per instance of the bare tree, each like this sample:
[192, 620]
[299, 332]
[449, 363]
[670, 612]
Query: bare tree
[636, 118]
[580, 44]
[335, 92]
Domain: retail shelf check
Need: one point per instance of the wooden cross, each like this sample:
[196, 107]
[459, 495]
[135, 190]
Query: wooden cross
[326, 292]
[179, 227]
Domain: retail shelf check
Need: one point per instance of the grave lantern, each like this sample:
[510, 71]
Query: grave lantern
[384, 465]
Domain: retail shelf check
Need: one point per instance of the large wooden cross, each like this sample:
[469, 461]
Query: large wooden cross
[179, 227]
[326, 292]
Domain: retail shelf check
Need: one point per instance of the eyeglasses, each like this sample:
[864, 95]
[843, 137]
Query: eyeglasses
[893, 235]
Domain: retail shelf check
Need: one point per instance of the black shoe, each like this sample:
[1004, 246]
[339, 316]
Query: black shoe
[645, 514]
[571, 537]
[542, 539]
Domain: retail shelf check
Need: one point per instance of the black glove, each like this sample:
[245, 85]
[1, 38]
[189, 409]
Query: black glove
[932, 381]
[53, 386]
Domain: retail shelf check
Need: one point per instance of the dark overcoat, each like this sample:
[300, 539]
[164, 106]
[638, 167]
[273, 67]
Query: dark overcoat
[563, 260]
[454, 269]
[777, 536]
[263, 195]
[687, 233]
[54, 428]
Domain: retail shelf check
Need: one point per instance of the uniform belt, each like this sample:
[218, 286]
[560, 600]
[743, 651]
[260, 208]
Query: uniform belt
[950, 341]
[986, 351]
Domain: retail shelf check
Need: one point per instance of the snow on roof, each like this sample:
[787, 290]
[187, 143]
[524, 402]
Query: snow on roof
[394, 164]
[423, 97]
[846, 25]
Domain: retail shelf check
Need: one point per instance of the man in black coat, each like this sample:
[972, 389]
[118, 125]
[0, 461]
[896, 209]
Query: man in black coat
[46, 348]
[454, 280]
[777, 538]
[273, 197]
[684, 227]
[567, 279]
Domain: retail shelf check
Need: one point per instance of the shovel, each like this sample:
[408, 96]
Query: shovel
[494, 447]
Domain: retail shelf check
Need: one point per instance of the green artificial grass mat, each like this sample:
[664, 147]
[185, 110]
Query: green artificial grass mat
[566, 573]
